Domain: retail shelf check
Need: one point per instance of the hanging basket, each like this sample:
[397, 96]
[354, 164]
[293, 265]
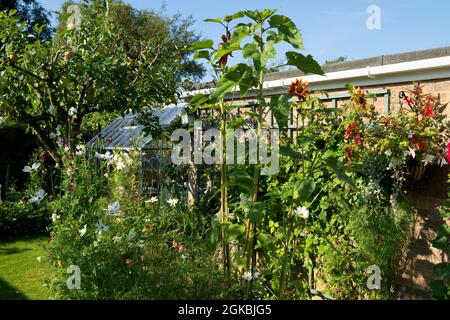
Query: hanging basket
[416, 172]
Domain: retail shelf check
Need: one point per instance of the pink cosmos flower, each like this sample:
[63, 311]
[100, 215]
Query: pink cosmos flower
[448, 152]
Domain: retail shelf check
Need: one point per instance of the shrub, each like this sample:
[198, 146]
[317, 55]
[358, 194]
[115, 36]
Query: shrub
[19, 219]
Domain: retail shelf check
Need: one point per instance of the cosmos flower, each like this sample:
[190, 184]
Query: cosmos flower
[299, 89]
[172, 202]
[34, 167]
[152, 200]
[107, 156]
[101, 227]
[247, 276]
[73, 112]
[81, 150]
[83, 231]
[302, 212]
[55, 217]
[38, 197]
[114, 209]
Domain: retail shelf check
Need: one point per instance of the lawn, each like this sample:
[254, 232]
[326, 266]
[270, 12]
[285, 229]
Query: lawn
[21, 274]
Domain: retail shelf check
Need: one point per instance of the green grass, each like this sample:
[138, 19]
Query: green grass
[21, 274]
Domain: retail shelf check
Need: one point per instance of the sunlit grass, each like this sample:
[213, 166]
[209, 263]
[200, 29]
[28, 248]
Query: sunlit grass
[21, 274]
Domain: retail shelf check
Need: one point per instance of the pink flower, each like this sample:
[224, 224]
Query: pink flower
[448, 153]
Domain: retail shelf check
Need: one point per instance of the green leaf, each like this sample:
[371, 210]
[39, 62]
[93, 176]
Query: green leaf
[205, 44]
[268, 53]
[256, 212]
[281, 110]
[288, 30]
[258, 16]
[242, 179]
[203, 54]
[250, 51]
[332, 163]
[306, 64]
[289, 152]
[241, 75]
[217, 20]
[442, 270]
[304, 189]
[438, 289]
[198, 99]
[233, 45]
[235, 231]
[441, 242]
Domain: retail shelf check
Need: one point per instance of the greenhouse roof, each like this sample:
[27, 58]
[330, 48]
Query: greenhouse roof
[126, 133]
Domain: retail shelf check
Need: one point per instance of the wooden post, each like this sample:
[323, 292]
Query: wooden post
[192, 185]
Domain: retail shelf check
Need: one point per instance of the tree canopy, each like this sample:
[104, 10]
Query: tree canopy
[52, 86]
[31, 12]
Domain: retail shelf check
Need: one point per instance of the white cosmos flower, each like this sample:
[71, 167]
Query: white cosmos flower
[172, 202]
[302, 212]
[114, 209]
[152, 200]
[83, 231]
[120, 165]
[34, 167]
[81, 150]
[107, 156]
[247, 276]
[101, 227]
[73, 112]
[38, 197]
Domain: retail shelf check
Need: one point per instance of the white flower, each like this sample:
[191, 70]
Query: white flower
[152, 200]
[34, 167]
[412, 153]
[114, 209]
[38, 197]
[120, 165]
[73, 112]
[107, 156]
[101, 227]
[388, 153]
[302, 212]
[81, 150]
[39, 259]
[116, 239]
[172, 202]
[55, 217]
[83, 231]
[247, 276]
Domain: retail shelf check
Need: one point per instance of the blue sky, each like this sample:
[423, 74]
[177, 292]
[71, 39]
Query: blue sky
[331, 28]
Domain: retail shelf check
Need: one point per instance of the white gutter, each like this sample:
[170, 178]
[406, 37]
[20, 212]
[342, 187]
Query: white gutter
[441, 67]
[369, 72]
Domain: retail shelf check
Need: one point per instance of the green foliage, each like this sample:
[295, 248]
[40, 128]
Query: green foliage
[20, 219]
[440, 288]
[46, 84]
